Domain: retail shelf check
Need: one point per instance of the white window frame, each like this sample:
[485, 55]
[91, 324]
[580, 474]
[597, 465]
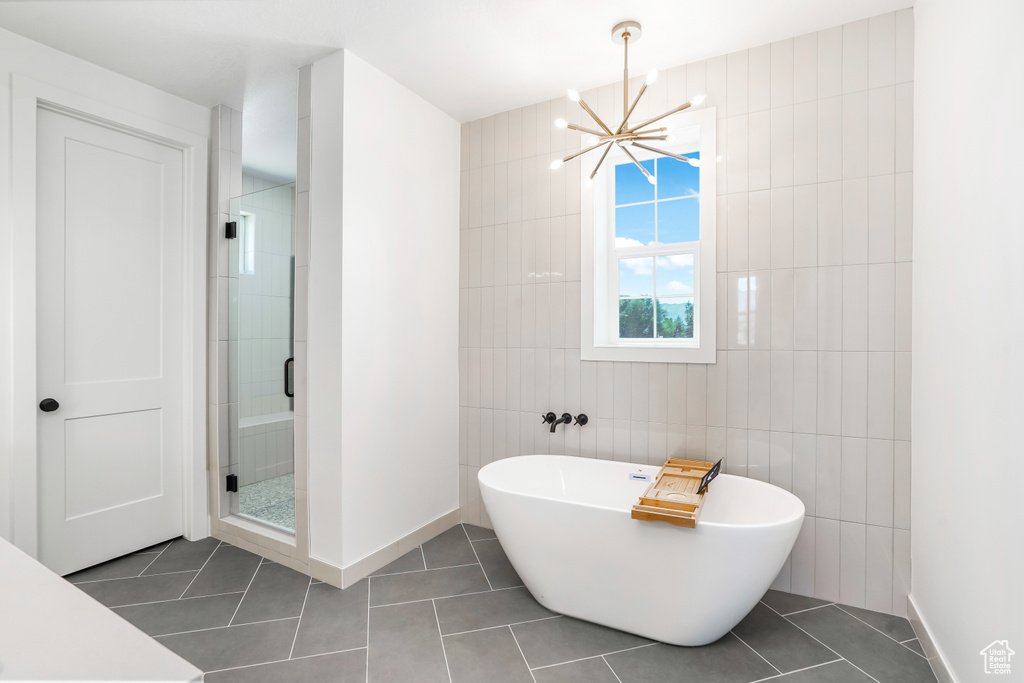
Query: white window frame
[247, 244]
[599, 290]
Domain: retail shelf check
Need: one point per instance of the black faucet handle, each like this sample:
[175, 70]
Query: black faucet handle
[581, 419]
[548, 418]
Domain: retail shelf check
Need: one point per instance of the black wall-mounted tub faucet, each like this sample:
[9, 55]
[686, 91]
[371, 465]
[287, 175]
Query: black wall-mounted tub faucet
[565, 419]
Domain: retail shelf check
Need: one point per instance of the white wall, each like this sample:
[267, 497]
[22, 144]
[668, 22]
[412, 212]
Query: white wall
[968, 462]
[39, 62]
[384, 223]
[324, 360]
[811, 389]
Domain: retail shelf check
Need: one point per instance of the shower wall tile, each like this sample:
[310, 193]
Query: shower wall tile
[903, 124]
[878, 568]
[811, 388]
[802, 560]
[901, 485]
[852, 566]
[265, 295]
[826, 559]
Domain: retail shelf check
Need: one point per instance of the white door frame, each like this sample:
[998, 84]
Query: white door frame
[26, 96]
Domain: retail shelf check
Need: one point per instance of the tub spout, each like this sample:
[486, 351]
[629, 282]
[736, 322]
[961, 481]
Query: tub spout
[565, 419]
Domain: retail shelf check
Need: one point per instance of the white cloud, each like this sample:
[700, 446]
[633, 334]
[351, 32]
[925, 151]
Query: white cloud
[676, 261]
[639, 266]
[625, 242]
[677, 287]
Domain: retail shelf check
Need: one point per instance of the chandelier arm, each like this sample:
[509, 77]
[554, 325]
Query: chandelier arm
[625, 119]
[662, 152]
[586, 108]
[584, 129]
[635, 161]
[650, 137]
[626, 136]
[652, 131]
[601, 160]
[678, 109]
[583, 151]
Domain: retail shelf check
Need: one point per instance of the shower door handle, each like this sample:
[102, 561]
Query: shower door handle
[289, 394]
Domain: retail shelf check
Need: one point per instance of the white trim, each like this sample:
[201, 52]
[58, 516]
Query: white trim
[932, 652]
[595, 343]
[27, 95]
[343, 577]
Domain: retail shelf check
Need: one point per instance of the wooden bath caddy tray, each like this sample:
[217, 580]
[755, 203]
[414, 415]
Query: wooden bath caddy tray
[675, 495]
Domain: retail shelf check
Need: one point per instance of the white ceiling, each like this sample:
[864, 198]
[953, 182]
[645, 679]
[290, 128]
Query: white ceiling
[470, 58]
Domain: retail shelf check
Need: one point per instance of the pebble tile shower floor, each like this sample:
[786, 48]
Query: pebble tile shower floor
[455, 611]
[271, 500]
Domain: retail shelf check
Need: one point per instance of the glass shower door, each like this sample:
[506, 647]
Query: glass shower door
[262, 309]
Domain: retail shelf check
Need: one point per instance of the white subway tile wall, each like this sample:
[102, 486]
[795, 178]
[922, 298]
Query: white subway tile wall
[811, 390]
[267, 451]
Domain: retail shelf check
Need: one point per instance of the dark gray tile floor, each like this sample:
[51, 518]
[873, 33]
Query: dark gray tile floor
[455, 611]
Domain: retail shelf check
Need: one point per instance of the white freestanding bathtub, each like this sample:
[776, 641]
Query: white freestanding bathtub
[565, 525]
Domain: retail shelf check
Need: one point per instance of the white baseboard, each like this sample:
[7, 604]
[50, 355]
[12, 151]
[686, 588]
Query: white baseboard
[343, 577]
[938, 662]
[326, 572]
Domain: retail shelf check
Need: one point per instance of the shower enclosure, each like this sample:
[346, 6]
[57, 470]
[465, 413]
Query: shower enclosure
[260, 361]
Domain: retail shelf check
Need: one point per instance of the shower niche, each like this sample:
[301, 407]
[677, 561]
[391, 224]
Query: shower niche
[261, 360]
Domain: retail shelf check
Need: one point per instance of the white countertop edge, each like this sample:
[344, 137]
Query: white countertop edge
[52, 631]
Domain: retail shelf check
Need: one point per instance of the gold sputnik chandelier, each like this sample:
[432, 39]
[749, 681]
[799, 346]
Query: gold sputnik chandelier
[625, 135]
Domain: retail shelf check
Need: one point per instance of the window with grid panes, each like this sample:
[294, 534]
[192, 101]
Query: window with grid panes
[652, 251]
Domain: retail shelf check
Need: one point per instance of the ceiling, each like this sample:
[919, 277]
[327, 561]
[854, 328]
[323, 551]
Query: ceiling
[470, 58]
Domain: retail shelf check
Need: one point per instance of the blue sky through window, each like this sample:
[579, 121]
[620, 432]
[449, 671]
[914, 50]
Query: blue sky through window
[636, 277]
[634, 225]
[679, 220]
[675, 274]
[676, 196]
[631, 186]
[677, 178]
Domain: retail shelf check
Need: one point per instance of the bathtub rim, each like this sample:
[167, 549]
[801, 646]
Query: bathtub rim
[798, 516]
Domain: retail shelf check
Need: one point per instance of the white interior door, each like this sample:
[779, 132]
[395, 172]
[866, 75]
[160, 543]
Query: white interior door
[110, 222]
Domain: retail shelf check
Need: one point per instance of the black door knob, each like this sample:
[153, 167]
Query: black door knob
[48, 405]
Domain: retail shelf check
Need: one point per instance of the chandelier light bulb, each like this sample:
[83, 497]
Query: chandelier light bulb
[561, 123]
[698, 100]
[573, 95]
[590, 182]
[556, 164]
[693, 162]
[652, 76]
[652, 180]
